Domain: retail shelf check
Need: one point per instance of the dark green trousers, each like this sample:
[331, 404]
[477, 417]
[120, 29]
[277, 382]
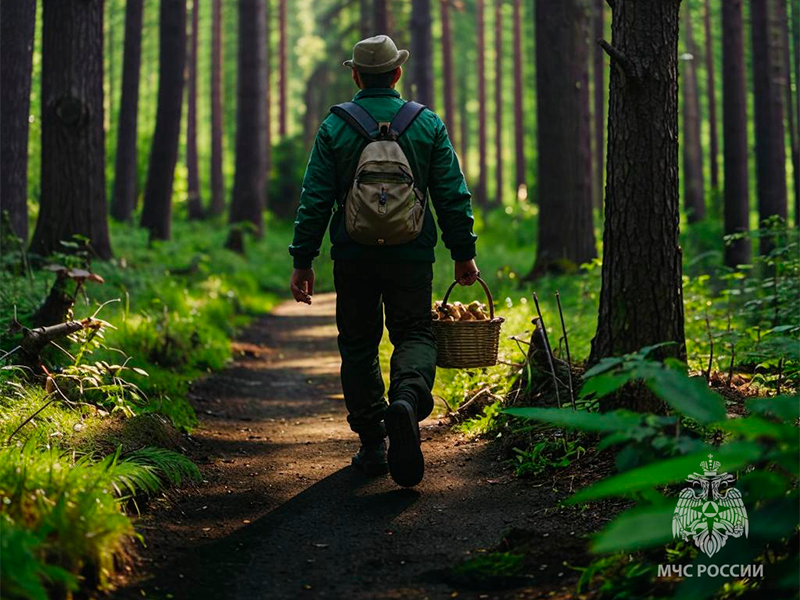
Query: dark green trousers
[364, 290]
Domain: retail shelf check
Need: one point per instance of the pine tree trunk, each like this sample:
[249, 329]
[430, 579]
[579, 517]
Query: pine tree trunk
[217, 181]
[157, 210]
[422, 50]
[282, 68]
[566, 232]
[734, 133]
[712, 99]
[17, 22]
[693, 186]
[463, 124]
[498, 99]
[599, 101]
[194, 202]
[73, 198]
[248, 189]
[791, 122]
[123, 202]
[641, 300]
[519, 119]
[365, 19]
[447, 71]
[796, 46]
[768, 104]
[480, 190]
[380, 17]
[268, 93]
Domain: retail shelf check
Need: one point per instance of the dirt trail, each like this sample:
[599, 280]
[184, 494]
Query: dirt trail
[283, 515]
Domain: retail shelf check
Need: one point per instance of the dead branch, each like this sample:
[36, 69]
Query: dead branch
[548, 348]
[620, 59]
[566, 347]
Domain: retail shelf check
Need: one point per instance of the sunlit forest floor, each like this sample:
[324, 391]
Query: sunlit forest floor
[208, 414]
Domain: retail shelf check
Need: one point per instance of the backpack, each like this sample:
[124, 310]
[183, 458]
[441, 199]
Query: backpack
[383, 205]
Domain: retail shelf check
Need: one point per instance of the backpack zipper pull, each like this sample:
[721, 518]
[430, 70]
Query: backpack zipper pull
[382, 201]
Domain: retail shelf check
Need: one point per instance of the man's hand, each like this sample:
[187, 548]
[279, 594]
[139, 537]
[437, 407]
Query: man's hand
[466, 272]
[302, 285]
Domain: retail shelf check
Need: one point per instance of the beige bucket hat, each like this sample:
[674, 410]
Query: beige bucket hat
[377, 54]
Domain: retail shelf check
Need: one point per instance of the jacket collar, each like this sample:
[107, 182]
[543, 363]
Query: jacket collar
[373, 92]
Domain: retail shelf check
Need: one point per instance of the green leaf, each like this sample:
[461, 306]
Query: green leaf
[637, 528]
[732, 456]
[605, 364]
[602, 385]
[753, 428]
[689, 396]
[581, 419]
[786, 408]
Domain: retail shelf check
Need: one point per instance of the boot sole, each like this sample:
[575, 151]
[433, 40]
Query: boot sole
[406, 463]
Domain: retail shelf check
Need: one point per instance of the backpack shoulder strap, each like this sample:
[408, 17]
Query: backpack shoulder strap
[404, 117]
[358, 118]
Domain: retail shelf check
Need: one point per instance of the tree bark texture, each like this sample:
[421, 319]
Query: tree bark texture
[157, 210]
[734, 133]
[194, 202]
[282, 68]
[693, 186]
[796, 45]
[519, 118]
[217, 181]
[768, 105]
[712, 99]
[248, 189]
[641, 300]
[599, 101]
[447, 71]
[789, 95]
[73, 182]
[480, 190]
[498, 100]
[566, 231]
[422, 51]
[126, 186]
[17, 21]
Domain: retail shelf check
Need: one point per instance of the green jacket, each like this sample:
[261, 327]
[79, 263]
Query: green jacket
[330, 173]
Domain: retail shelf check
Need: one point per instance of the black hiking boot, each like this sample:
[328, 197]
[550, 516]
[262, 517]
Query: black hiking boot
[371, 459]
[406, 463]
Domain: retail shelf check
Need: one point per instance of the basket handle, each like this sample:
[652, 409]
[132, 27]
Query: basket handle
[485, 289]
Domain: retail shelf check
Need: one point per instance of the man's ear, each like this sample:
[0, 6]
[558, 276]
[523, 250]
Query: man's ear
[357, 80]
[398, 72]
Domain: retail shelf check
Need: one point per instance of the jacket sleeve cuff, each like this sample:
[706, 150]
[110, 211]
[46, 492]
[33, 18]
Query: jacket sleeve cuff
[462, 253]
[302, 262]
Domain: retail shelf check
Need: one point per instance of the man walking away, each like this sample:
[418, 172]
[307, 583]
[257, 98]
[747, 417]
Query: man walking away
[375, 162]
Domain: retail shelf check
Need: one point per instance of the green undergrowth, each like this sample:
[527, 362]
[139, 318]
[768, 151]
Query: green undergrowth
[81, 448]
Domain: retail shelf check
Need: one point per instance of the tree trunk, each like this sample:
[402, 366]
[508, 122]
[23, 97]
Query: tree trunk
[519, 119]
[126, 181]
[599, 101]
[734, 133]
[498, 99]
[447, 70]
[73, 198]
[365, 19]
[422, 51]
[791, 122]
[17, 23]
[641, 300]
[248, 189]
[463, 123]
[712, 99]
[796, 45]
[217, 181]
[194, 202]
[268, 94]
[480, 190]
[157, 210]
[380, 17]
[566, 232]
[768, 104]
[282, 68]
[693, 185]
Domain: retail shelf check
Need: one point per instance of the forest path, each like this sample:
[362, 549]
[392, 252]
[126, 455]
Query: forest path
[283, 515]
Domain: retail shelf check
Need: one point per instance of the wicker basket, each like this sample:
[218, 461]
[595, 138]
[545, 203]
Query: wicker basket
[468, 344]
